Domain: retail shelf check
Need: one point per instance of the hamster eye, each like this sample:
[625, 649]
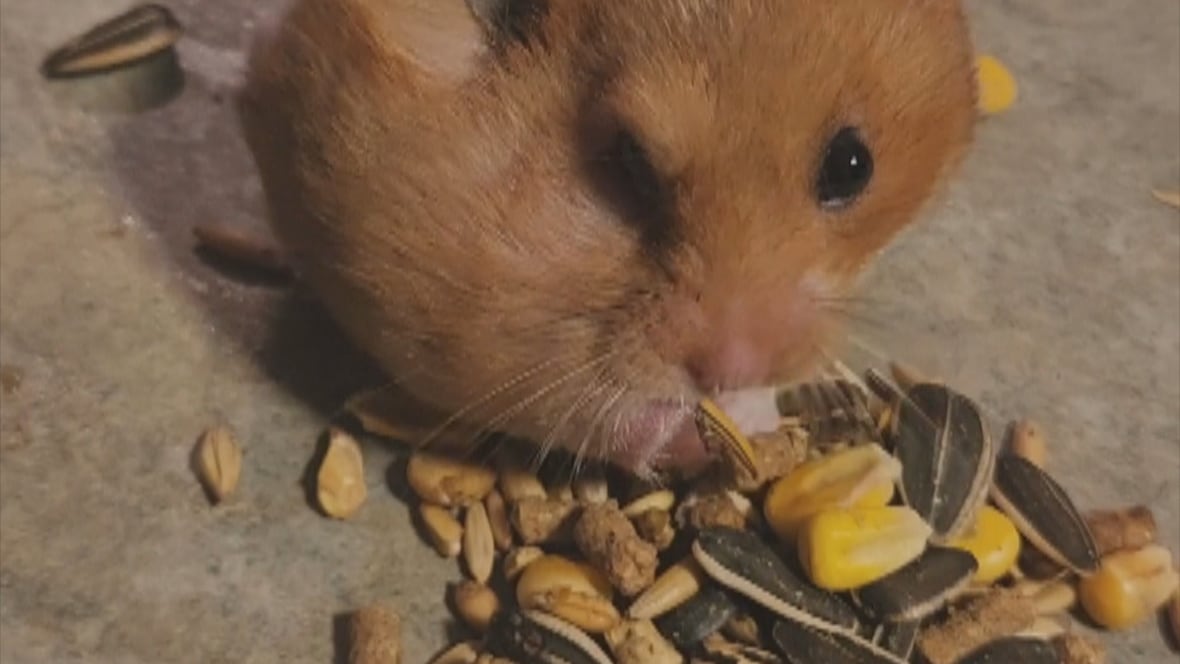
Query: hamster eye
[640, 177]
[637, 187]
[846, 169]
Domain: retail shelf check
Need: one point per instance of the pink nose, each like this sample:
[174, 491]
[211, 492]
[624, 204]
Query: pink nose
[731, 363]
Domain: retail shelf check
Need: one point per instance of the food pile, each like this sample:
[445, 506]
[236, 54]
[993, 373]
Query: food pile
[879, 523]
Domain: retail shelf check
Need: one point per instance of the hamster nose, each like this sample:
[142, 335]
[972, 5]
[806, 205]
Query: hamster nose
[731, 363]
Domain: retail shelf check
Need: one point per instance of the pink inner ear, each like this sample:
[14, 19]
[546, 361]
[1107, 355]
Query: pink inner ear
[442, 36]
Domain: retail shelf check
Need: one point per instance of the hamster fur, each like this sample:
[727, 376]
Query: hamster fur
[573, 233]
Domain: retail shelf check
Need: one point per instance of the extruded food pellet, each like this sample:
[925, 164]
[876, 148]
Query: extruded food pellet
[376, 636]
[609, 541]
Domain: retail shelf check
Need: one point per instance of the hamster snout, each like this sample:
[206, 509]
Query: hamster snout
[574, 230]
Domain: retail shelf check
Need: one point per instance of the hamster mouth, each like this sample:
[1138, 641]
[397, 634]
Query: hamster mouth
[660, 434]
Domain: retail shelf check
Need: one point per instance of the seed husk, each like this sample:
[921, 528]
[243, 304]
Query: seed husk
[672, 588]
[947, 457]
[1013, 650]
[475, 603]
[830, 411]
[1044, 514]
[743, 563]
[340, 482]
[802, 644]
[217, 460]
[920, 588]
[479, 549]
[700, 616]
[532, 636]
[719, 431]
[445, 531]
[130, 37]
[375, 636]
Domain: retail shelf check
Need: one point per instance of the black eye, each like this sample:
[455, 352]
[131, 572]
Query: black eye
[846, 169]
[637, 175]
[634, 186]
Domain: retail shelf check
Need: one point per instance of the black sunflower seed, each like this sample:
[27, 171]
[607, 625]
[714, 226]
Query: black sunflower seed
[130, 37]
[1044, 514]
[743, 563]
[532, 636]
[1013, 650]
[803, 645]
[920, 588]
[947, 457]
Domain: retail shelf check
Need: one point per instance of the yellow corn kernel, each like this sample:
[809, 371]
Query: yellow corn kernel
[844, 549]
[1129, 587]
[861, 476]
[997, 87]
[995, 543]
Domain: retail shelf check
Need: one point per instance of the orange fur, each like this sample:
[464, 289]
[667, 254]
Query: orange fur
[446, 210]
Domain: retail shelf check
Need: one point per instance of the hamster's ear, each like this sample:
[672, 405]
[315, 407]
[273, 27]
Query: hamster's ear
[509, 21]
[443, 38]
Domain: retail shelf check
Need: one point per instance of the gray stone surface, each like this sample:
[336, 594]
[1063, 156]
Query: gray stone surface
[1047, 284]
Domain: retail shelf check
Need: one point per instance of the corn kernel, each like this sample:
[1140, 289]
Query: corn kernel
[1129, 587]
[844, 549]
[861, 476]
[995, 543]
[997, 87]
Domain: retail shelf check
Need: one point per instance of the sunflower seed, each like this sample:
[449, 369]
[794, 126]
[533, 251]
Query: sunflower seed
[532, 636]
[898, 638]
[1044, 514]
[918, 589]
[947, 457]
[1013, 650]
[130, 37]
[717, 430]
[804, 645]
[742, 562]
[701, 615]
[831, 411]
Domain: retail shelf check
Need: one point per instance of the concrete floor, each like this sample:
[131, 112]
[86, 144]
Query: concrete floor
[1048, 284]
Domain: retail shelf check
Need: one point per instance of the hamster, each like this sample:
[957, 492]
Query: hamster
[573, 229]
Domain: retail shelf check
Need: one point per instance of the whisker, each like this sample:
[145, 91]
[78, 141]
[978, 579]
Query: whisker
[512, 411]
[489, 396]
[592, 390]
